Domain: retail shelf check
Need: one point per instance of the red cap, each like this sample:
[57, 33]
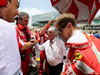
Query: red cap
[3, 2]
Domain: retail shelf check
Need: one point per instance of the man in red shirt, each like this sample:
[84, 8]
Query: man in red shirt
[25, 35]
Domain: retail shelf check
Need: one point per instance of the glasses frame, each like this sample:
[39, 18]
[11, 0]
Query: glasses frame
[60, 30]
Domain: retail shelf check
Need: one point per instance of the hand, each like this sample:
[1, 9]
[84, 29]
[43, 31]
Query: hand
[34, 41]
[27, 45]
[61, 73]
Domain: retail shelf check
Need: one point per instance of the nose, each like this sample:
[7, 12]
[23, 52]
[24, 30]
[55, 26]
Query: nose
[17, 12]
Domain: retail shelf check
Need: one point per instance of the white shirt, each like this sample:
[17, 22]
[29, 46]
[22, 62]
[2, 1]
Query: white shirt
[10, 62]
[77, 37]
[56, 53]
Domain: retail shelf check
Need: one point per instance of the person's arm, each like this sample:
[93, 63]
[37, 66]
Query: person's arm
[24, 45]
[37, 46]
[27, 45]
[45, 28]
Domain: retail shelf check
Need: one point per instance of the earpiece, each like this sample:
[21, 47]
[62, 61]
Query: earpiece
[3, 3]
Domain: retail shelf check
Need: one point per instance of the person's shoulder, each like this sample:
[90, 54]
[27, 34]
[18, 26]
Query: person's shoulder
[6, 26]
[77, 37]
[4, 23]
[59, 40]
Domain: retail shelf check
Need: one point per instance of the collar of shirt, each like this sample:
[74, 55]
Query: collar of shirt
[77, 37]
[53, 41]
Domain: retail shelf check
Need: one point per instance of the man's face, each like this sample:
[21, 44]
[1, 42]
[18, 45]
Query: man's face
[25, 21]
[64, 32]
[51, 35]
[12, 10]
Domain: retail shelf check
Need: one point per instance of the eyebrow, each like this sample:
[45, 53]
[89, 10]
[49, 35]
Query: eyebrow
[61, 28]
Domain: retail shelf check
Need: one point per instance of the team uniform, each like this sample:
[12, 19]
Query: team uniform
[10, 62]
[83, 55]
[25, 36]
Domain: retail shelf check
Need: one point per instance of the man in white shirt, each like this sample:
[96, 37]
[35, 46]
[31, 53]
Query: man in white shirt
[10, 62]
[55, 51]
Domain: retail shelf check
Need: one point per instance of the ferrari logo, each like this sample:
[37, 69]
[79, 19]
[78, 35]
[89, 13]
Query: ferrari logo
[78, 56]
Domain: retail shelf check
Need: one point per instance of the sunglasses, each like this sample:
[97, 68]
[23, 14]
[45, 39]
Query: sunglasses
[60, 30]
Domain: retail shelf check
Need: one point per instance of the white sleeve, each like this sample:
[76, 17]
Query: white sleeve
[2, 51]
[39, 47]
[64, 63]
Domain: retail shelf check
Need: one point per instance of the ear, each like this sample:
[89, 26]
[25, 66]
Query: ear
[69, 25]
[7, 4]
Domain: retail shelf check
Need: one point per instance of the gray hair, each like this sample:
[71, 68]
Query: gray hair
[54, 29]
[21, 14]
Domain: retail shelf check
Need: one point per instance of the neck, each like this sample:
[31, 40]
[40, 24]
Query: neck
[72, 31]
[50, 40]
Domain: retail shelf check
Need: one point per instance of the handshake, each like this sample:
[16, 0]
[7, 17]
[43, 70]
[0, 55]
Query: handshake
[29, 44]
[34, 41]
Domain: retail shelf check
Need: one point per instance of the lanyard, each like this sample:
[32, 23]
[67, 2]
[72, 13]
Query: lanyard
[51, 45]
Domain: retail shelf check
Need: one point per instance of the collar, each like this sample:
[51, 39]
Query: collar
[21, 27]
[83, 45]
[77, 37]
[54, 40]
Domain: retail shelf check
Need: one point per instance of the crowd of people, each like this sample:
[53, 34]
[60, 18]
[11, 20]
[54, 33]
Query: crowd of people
[65, 49]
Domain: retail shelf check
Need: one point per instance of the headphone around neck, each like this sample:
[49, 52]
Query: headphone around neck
[3, 3]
